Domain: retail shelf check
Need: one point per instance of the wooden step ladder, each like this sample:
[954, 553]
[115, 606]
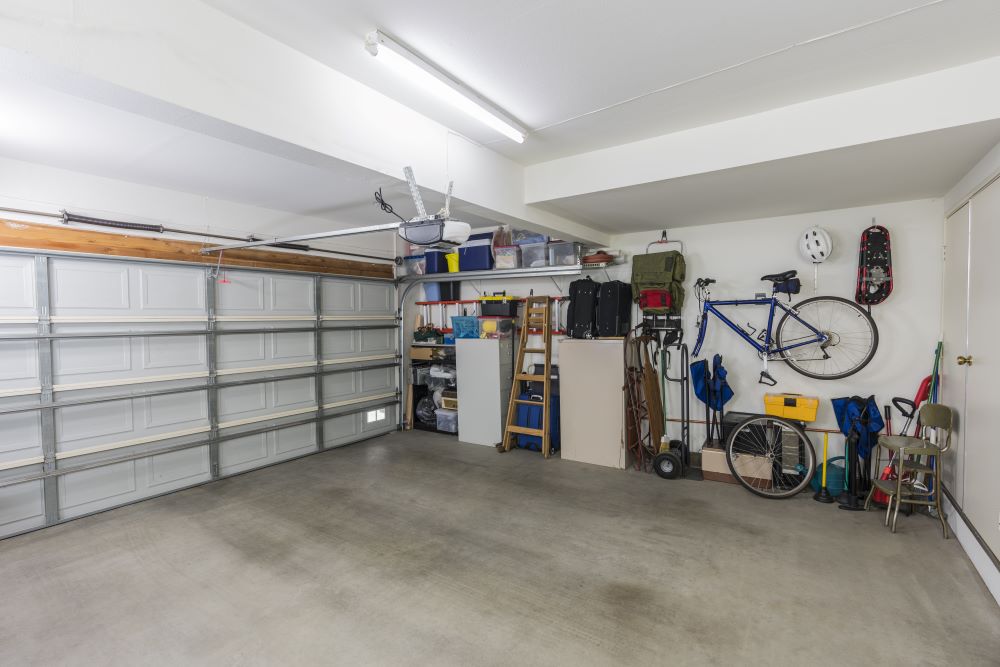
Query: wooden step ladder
[537, 325]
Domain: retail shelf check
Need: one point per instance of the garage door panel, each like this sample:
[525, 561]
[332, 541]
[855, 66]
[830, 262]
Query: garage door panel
[173, 352]
[241, 400]
[21, 507]
[240, 348]
[78, 426]
[175, 410]
[376, 298]
[22, 436]
[89, 356]
[188, 465]
[293, 346]
[171, 291]
[243, 292]
[102, 296]
[243, 453]
[18, 361]
[294, 441]
[378, 340]
[341, 430]
[339, 297]
[81, 287]
[378, 419]
[293, 393]
[378, 380]
[17, 286]
[97, 488]
[291, 295]
[338, 386]
[339, 344]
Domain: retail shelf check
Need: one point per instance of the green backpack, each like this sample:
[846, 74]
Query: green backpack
[660, 271]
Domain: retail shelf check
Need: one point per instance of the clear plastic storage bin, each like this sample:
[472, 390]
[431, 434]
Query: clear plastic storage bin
[447, 420]
[506, 257]
[565, 253]
[534, 255]
[414, 265]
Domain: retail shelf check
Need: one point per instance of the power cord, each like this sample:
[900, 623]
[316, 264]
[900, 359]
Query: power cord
[386, 206]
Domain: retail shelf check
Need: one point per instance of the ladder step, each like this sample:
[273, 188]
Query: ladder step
[524, 430]
[523, 401]
[535, 350]
[529, 376]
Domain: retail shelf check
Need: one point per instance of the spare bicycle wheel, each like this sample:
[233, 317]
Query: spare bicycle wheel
[851, 338]
[771, 457]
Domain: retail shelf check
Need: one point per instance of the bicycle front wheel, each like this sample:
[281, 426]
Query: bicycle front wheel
[770, 457]
[851, 338]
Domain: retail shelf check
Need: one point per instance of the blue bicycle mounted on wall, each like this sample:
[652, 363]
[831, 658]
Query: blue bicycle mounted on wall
[825, 337]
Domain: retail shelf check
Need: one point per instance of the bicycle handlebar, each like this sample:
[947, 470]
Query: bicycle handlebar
[704, 281]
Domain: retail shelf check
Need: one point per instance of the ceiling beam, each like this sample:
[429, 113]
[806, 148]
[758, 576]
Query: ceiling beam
[271, 97]
[940, 100]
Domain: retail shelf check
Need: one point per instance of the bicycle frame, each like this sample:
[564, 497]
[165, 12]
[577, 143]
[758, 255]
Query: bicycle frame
[767, 348]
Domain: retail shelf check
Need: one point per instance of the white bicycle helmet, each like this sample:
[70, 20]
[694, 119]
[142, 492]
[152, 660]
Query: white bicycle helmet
[815, 245]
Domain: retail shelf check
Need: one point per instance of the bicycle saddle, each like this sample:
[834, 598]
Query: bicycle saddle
[780, 277]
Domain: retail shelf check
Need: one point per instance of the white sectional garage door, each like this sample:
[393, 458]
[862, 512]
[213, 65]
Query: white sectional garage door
[236, 371]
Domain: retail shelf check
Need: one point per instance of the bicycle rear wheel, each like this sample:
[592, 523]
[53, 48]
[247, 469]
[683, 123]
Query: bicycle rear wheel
[770, 457]
[852, 338]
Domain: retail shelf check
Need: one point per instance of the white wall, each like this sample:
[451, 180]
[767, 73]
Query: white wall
[31, 186]
[738, 253]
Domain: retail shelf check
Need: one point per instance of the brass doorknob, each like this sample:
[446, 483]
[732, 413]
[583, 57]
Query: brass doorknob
[965, 361]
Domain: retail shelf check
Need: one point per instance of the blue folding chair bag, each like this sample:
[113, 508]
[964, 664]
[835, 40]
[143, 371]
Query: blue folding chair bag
[861, 414]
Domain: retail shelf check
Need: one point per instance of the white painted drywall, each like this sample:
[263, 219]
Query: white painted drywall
[175, 60]
[27, 185]
[738, 253]
[981, 175]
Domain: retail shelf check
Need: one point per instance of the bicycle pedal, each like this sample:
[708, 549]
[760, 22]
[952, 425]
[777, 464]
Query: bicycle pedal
[765, 378]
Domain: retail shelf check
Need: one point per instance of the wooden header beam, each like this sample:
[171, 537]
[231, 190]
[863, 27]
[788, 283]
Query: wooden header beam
[67, 239]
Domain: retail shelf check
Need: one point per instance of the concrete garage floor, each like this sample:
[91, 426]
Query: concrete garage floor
[415, 549]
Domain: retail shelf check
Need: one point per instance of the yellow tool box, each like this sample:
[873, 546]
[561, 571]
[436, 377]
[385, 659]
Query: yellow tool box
[792, 406]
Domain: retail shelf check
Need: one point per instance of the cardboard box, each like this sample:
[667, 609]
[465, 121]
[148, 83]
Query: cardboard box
[753, 468]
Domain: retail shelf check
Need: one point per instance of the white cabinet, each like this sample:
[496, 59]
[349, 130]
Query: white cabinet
[485, 376]
[592, 403]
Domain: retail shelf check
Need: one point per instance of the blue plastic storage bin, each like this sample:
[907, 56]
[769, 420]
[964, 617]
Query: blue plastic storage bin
[432, 291]
[476, 254]
[531, 417]
[465, 326]
[435, 261]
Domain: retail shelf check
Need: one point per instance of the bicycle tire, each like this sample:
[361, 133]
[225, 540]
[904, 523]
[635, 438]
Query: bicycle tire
[858, 310]
[754, 437]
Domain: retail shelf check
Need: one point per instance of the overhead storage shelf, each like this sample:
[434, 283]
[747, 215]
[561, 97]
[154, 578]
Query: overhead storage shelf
[539, 272]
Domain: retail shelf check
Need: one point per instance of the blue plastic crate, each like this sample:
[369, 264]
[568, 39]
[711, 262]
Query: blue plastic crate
[465, 326]
[435, 261]
[476, 254]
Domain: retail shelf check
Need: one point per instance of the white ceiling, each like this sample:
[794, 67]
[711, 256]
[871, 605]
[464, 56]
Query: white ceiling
[548, 61]
[913, 167]
[39, 124]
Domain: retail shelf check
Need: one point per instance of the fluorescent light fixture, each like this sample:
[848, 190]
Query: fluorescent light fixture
[412, 66]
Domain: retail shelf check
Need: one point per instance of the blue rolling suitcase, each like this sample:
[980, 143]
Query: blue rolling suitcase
[531, 417]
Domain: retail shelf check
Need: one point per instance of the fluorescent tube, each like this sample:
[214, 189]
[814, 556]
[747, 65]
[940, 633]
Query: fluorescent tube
[435, 81]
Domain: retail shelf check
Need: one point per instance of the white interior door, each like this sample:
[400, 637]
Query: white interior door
[982, 445]
[954, 318]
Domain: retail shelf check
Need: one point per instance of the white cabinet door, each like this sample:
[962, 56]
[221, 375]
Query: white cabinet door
[954, 318]
[591, 376]
[982, 493]
[480, 418]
